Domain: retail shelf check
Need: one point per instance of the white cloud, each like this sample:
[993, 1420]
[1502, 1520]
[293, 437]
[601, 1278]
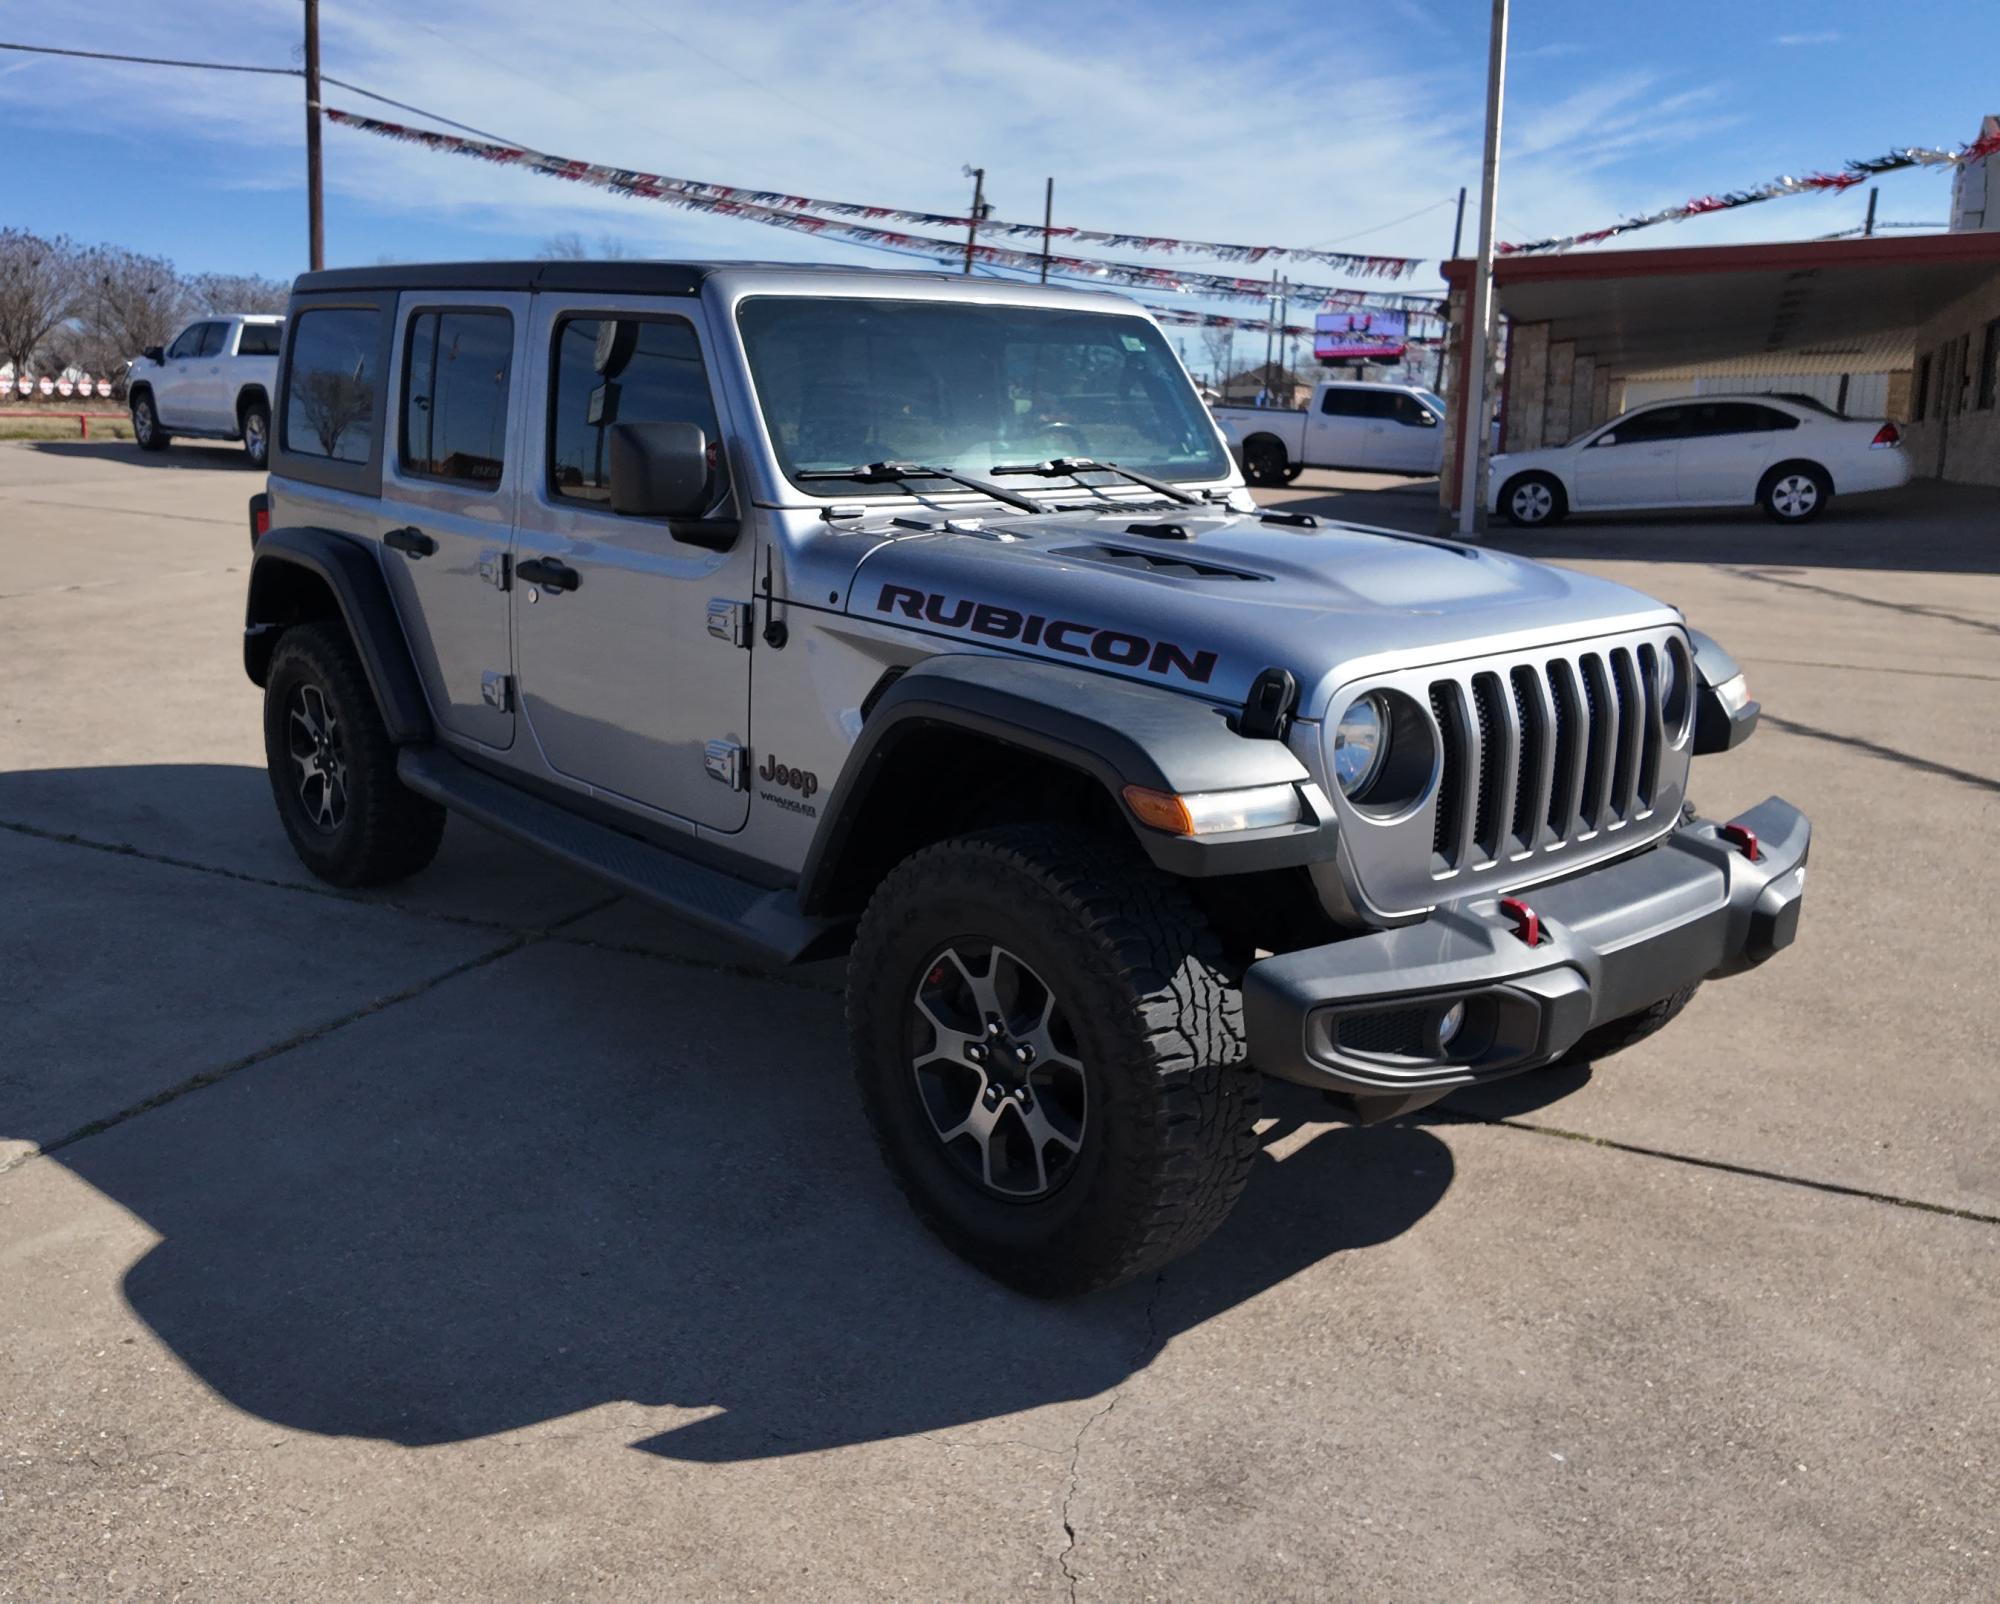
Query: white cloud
[1796, 39]
[1171, 127]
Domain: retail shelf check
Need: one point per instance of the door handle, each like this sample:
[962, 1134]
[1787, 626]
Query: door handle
[413, 542]
[546, 571]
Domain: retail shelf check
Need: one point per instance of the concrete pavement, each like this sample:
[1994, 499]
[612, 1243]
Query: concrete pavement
[480, 1238]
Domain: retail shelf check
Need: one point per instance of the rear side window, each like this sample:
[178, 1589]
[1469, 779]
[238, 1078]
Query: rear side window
[1345, 403]
[621, 370]
[455, 372]
[330, 394]
[259, 339]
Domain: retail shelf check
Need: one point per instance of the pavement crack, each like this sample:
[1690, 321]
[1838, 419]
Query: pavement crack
[1722, 1165]
[1075, 1486]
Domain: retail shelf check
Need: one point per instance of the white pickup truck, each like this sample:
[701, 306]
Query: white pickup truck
[1376, 428]
[214, 382]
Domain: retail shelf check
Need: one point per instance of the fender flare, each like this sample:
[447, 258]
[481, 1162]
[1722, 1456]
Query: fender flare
[349, 570]
[1716, 727]
[1112, 730]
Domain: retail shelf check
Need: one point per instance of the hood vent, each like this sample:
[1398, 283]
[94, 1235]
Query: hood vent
[1154, 563]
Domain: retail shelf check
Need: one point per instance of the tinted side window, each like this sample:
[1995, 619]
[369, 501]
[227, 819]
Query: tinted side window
[621, 370]
[1345, 403]
[1662, 423]
[455, 371]
[189, 341]
[1407, 409]
[213, 337]
[259, 339]
[330, 394]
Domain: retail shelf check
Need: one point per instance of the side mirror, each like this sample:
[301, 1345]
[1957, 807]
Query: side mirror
[1427, 418]
[156, 355]
[659, 470]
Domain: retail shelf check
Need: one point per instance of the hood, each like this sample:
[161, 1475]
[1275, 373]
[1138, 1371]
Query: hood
[1208, 609]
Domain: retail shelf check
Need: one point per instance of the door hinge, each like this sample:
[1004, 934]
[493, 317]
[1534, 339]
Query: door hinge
[497, 690]
[729, 620]
[494, 569]
[724, 762]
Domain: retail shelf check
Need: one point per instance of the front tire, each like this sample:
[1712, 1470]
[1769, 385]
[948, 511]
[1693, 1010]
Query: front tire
[1533, 501]
[333, 766]
[1795, 492]
[146, 430]
[1051, 1055]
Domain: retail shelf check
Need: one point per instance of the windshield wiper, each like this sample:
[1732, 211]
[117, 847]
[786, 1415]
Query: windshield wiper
[890, 473]
[1056, 467]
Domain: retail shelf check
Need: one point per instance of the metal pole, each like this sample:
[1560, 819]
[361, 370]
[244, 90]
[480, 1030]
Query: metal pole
[1444, 338]
[315, 208]
[1270, 329]
[1048, 223]
[1868, 228]
[1476, 402]
[1458, 228]
[1284, 295]
[972, 222]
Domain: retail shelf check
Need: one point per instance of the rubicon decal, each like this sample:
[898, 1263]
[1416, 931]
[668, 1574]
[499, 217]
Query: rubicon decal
[1115, 646]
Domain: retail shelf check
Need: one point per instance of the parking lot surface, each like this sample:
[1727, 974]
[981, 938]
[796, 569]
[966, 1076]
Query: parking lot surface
[490, 1236]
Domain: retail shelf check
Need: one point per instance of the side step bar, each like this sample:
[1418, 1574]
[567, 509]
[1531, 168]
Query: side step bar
[710, 899]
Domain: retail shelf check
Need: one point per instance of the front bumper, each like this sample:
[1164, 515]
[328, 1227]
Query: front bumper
[1363, 1017]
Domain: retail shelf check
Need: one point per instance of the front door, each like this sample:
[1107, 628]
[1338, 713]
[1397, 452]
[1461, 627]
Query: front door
[1635, 463]
[1410, 435]
[450, 484]
[177, 382]
[623, 682]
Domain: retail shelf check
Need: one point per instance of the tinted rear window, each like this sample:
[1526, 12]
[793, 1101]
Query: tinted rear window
[330, 393]
[455, 395]
[259, 339]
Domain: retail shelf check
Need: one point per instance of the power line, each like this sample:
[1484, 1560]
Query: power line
[152, 61]
[464, 128]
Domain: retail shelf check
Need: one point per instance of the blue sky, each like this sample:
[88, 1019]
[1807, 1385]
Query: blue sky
[1309, 124]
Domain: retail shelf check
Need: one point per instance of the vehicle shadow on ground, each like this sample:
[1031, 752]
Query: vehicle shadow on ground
[181, 454]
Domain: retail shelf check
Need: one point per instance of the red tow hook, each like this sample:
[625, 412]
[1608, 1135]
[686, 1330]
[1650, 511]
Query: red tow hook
[1527, 923]
[1743, 837]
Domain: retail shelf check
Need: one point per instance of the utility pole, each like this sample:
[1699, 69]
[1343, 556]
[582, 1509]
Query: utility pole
[1458, 228]
[1284, 297]
[315, 209]
[1868, 228]
[1048, 223]
[1271, 328]
[1444, 339]
[978, 177]
[1477, 405]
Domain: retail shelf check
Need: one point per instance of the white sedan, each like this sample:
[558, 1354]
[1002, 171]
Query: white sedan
[1786, 454]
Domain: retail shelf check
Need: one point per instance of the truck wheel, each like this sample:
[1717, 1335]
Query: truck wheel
[146, 430]
[255, 421]
[1619, 1034]
[1795, 492]
[1051, 1055]
[1264, 462]
[1534, 500]
[333, 766]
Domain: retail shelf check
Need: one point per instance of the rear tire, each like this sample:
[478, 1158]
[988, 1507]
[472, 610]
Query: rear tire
[1533, 501]
[333, 766]
[1126, 1134]
[146, 430]
[254, 420]
[1264, 462]
[1795, 492]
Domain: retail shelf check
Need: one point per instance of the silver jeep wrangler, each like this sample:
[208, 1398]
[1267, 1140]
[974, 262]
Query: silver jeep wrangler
[927, 620]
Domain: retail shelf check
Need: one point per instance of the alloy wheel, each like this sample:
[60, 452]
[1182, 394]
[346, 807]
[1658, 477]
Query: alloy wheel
[142, 420]
[1794, 496]
[254, 435]
[996, 1070]
[314, 740]
[1532, 503]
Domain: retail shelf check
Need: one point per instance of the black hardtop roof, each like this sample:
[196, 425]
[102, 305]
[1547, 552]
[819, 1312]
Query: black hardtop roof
[639, 278]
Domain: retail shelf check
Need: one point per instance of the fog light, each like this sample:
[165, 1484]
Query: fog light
[1452, 1022]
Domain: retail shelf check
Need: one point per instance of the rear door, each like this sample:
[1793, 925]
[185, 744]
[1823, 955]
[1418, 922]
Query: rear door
[627, 677]
[1337, 427]
[1727, 447]
[1634, 463]
[449, 487]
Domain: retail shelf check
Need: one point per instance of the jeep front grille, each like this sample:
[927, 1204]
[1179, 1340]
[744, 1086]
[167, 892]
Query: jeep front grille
[1546, 761]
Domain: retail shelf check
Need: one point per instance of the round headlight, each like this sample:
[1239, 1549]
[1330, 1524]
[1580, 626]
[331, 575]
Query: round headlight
[1360, 742]
[1670, 683]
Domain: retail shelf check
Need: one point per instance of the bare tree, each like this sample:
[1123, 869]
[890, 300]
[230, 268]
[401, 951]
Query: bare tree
[331, 404]
[1220, 345]
[125, 303]
[238, 292]
[571, 248]
[38, 290]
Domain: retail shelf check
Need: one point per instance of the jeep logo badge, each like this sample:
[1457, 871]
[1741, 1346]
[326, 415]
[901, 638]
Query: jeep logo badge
[803, 781]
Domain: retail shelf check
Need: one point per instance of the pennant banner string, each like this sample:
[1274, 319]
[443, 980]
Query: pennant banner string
[784, 212]
[1850, 174]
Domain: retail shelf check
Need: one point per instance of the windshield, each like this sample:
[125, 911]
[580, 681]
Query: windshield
[844, 382]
